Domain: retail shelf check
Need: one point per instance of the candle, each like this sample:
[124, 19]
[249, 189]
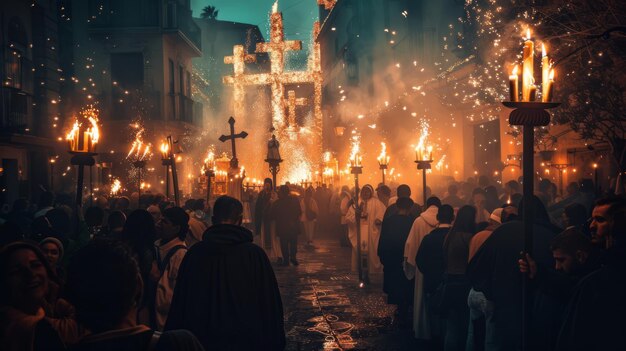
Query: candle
[550, 87]
[533, 92]
[545, 72]
[527, 68]
[514, 85]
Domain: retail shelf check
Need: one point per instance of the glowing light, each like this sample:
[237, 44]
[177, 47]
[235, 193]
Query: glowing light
[383, 158]
[116, 187]
[139, 150]
[84, 141]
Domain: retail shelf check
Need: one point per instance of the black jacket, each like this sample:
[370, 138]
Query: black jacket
[227, 294]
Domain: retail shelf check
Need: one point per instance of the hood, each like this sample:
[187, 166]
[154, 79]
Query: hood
[227, 234]
[430, 216]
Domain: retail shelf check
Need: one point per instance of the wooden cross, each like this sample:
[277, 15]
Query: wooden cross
[292, 102]
[234, 163]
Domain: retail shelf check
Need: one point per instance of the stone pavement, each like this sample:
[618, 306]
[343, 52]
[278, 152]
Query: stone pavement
[325, 310]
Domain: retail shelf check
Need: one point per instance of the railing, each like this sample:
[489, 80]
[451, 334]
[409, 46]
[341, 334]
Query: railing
[15, 111]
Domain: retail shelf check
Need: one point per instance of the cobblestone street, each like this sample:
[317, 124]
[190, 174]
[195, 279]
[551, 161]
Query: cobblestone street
[325, 310]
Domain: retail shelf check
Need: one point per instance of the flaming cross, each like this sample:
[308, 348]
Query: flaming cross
[292, 102]
[234, 163]
[238, 60]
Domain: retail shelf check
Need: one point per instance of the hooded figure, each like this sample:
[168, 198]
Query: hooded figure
[422, 226]
[372, 215]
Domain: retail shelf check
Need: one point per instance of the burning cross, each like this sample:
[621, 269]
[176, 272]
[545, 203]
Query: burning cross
[292, 102]
[239, 60]
[328, 4]
[234, 163]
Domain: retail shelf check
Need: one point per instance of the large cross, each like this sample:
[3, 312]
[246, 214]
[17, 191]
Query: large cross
[277, 78]
[328, 4]
[239, 60]
[234, 163]
[292, 102]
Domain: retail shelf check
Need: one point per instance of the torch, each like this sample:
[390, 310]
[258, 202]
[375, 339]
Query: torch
[383, 160]
[139, 153]
[273, 158]
[424, 160]
[166, 161]
[82, 142]
[356, 168]
[529, 114]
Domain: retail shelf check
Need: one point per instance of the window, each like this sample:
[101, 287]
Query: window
[188, 84]
[13, 69]
[181, 80]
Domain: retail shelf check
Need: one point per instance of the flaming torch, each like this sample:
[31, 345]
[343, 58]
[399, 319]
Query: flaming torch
[383, 160]
[208, 169]
[356, 168]
[529, 114]
[82, 140]
[424, 159]
[166, 161]
[139, 153]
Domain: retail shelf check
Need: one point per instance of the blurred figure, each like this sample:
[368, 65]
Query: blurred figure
[384, 194]
[105, 285]
[286, 212]
[309, 215]
[45, 203]
[452, 199]
[52, 248]
[155, 212]
[403, 190]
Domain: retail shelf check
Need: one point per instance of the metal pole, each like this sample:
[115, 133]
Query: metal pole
[90, 185]
[52, 177]
[357, 214]
[79, 185]
[424, 185]
[383, 176]
[529, 214]
[167, 182]
[174, 174]
[274, 177]
[208, 189]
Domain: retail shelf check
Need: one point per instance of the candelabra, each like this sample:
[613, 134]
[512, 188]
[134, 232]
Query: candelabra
[273, 158]
[356, 168]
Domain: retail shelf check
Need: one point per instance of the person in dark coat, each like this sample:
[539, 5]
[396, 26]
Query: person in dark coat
[395, 229]
[263, 221]
[430, 261]
[286, 212]
[402, 191]
[574, 257]
[226, 293]
[596, 316]
[494, 271]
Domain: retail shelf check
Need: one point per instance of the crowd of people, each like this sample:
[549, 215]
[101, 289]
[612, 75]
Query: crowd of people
[143, 274]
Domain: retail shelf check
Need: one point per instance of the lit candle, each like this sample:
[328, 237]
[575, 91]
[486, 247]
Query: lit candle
[550, 87]
[514, 85]
[545, 73]
[527, 68]
[533, 92]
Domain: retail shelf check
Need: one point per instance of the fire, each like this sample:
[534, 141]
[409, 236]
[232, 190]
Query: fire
[543, 50]
[355, 157]
[423, 152]
[528, 33]
[139, 149]
[275, 7]
[383, 158]
[116, 187]
[514, 72]
[84, 141]
[209, 162]
[165, 150]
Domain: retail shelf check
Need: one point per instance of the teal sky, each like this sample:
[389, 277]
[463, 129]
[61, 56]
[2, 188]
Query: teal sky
[298, 15]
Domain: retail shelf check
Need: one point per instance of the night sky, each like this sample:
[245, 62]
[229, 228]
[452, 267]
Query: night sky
[298, 15]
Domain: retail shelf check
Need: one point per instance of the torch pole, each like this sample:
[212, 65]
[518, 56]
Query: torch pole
[79, 185]
[139, 182]
[529, 215]
[52, 177]
[424, 186]
[174, 174]
[357, 214]
[167, 182]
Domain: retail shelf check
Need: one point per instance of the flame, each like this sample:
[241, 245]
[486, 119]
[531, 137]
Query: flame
[165, 150]
[514, 72]
[116, 187]
[423, 151]
[275, 7]
[139, 149]
[355, 157]
[551, 76]
[383, 158]
[528, 33]
[94, 130]
[544, 53]
[72, 133]
[327, 156]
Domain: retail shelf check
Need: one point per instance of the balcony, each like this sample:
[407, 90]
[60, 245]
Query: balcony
[178, 19]
[15, 118]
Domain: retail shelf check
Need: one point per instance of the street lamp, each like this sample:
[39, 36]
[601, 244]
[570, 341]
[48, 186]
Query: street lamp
[424, 160]
[166, 161]
[273, 157]
[82, 142]
[383, 160]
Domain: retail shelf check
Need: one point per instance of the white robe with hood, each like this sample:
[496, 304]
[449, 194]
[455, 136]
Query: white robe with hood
[422, 226]
[370, 233]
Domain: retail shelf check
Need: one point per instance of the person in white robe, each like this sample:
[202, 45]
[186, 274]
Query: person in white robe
[372, 215]
[422, 226]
